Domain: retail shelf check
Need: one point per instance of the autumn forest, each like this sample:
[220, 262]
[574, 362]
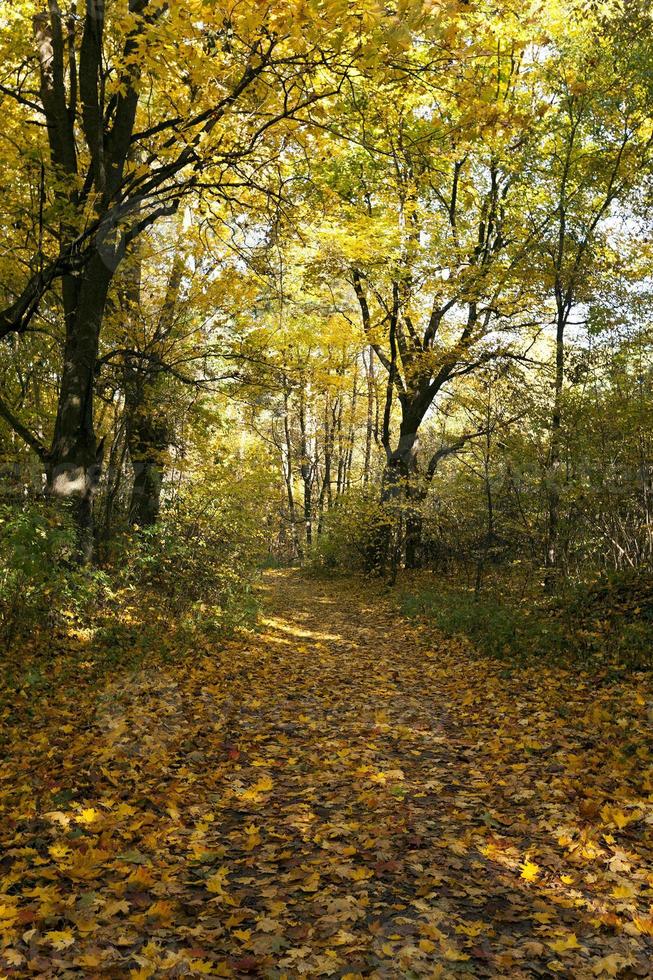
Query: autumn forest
[326, 489]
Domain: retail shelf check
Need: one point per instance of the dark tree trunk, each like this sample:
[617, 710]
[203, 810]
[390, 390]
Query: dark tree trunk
[370, 421]
[115, 469]
[306, 471]
[554, 461]
[148, 433]
[325, 497]
[148, 441]
[413, 545]
[288, 473]
[75, 459]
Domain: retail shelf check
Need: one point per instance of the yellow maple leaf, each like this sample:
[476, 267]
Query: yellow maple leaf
[91, 960]
[610, 965]
[141, 876]
[215, 883]
[84, 864]
[264, 785]
[644, 925]
[8, 912]
[562, 945]
[312, 883]
[221, 970]
[89, 815]
[619, 818]
[125, 810]
[252, 838]
[360, 874]
[162, 910]
[454, 955]
[529, 870]
[625, 890]
[62, 939]
[114, 907]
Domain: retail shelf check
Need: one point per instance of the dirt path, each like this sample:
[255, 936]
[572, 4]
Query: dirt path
[342, 795]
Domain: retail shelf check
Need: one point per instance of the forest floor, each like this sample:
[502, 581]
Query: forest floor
[340, 794]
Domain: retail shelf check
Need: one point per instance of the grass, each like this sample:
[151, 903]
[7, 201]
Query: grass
[608, 622]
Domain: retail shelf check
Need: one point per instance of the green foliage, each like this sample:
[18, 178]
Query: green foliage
[497, 629]
[40, 582]
[591, 624]
[204, 554]
[349, 533]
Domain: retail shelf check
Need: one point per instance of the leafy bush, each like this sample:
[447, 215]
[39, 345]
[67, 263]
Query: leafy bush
[351, 528]
[205, 552]
[39, 579]
[612, 617]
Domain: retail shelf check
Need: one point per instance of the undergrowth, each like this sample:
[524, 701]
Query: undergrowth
[608, 622]
[161, 597]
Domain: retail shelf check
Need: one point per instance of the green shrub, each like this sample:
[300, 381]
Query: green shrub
[40, 582]
[204, 555]
[350, 529]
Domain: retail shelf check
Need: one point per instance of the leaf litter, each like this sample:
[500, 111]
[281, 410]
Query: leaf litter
[343, 794]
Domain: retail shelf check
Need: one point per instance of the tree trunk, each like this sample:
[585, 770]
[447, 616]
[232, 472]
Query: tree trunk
[401, 463]
[115, 469]
[76, 456]
[387, 541]
[369, 429]
[489, 537]
[306, 470]
[147, 429]
[553, 468]
[351, 437]
[413, 538]
[325, 498]
[148, 441]
[288, 473]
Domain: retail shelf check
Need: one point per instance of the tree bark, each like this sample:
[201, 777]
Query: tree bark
[306, 469]
[287, 457]
[148, 433]
[370, 421]
[554, 461]
[148, 441]
[75, 459]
